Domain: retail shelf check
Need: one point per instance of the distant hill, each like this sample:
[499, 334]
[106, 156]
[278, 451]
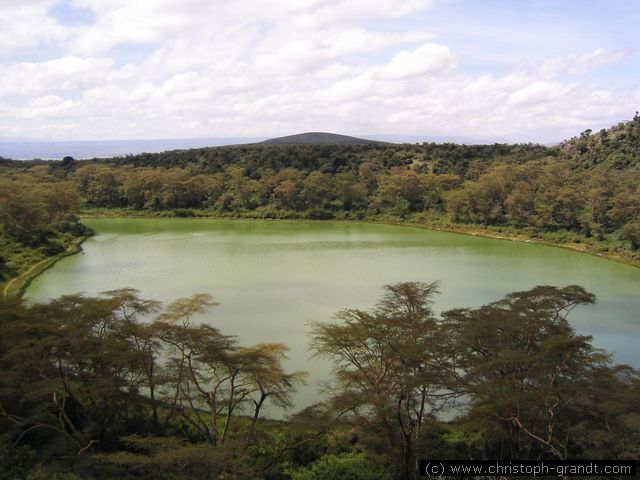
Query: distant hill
[319, 138]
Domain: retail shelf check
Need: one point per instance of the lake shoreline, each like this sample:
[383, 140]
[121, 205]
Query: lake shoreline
[476, 232]
[473, 230]
[15, 287]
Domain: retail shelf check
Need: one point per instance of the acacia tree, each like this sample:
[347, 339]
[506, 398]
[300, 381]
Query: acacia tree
[525, 368]
[143, 341]
[210, 371]
[266, 379]
[391, 371]
[69, 370]
[190, 349]
[606, 420]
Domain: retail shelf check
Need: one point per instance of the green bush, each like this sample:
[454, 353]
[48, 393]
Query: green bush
[184, 212]
[43, 473]
[348, 466]
[320, 214]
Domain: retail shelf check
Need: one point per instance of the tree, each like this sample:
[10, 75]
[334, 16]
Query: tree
[266, 379]
[318, 190]
[210, 371]
[142, 338]
[525, 368]
[68, 371]
[390, 369]
[631, 232]
[401, 190]
[142, 188]
[289, 187]
[98, 185]
[351, 193]
[199, 360]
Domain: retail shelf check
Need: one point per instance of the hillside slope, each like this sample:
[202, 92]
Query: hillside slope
[617, 147]
[317, 138]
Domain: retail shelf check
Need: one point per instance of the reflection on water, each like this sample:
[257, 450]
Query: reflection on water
[273, 278]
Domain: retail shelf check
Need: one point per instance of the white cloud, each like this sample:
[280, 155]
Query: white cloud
[536, 92]
[577, 64]
[46, 107]
[427, 59]
[155, 21]
[54, 76]
[24, 24]
[270, 67]
[350, 90]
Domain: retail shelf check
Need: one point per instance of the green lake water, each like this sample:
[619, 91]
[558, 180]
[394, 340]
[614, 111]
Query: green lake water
[273, 278]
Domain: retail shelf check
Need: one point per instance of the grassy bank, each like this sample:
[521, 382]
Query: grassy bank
[609, 247]
[611, 250]
[16, 286]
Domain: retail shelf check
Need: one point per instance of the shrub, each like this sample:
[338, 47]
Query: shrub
[349, 466]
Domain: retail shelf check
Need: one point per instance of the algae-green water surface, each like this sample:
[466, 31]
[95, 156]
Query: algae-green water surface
[273, 277]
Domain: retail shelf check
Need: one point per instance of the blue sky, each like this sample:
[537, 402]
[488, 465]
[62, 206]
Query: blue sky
[535, 71]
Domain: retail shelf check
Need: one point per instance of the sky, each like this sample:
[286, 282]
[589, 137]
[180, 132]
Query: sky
[520, 71]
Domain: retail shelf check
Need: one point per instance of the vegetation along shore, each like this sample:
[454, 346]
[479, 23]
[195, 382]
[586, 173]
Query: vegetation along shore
[582, 194]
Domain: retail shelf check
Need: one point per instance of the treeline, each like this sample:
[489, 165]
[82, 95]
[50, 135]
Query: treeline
[116, 387]
[551, 195]
[332, 158]
[539, 196]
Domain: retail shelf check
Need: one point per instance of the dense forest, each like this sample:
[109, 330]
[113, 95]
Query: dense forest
[116, 387]
[38, 220]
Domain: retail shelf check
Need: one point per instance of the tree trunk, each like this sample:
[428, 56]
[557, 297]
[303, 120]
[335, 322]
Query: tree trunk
[230, 407]
[154, 404]
[213, 427]
[254, 421]
[408, 472]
